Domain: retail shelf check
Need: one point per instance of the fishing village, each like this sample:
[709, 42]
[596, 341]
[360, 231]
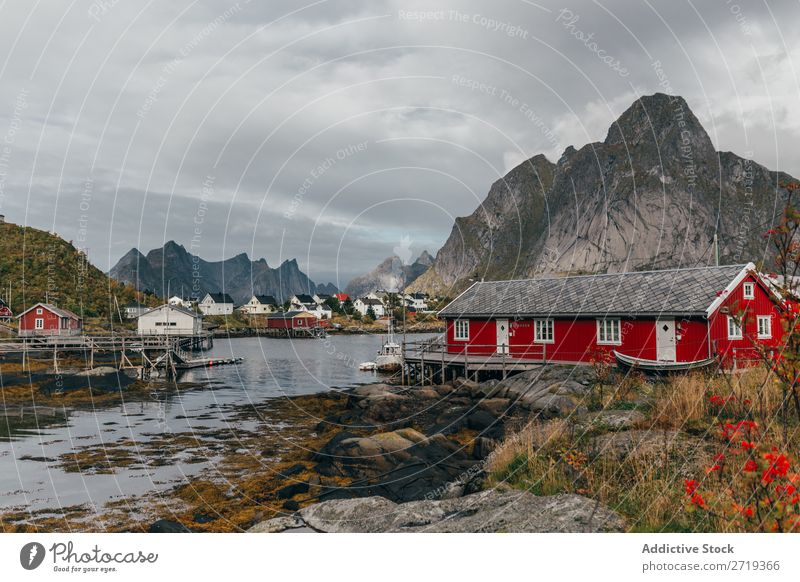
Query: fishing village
[587, 371]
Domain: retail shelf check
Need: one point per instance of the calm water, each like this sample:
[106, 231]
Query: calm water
[31, 476]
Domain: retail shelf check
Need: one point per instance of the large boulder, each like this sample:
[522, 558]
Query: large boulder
[487, 511]
[551, 391]
[401, 465]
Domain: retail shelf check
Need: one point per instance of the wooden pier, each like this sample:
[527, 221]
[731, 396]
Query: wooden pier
[143, 353]
[431, 361]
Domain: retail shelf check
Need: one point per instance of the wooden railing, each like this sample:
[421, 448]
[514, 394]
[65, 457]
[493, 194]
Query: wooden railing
[437, 349]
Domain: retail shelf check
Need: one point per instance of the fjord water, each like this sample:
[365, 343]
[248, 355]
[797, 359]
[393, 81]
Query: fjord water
[33, 478]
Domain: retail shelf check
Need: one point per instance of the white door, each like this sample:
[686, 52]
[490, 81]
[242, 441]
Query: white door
[502, 336]
[665, 340]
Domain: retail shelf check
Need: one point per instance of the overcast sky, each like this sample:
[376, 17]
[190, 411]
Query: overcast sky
[338, 131]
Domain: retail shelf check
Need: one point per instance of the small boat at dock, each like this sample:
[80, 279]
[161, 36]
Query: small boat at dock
[390, 356]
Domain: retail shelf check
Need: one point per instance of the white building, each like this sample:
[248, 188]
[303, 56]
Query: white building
[363, 304]
[321, 311]
[216, 304]
[180, 302]
[134, 310]
[418, 301]
[260, 304]
[170, 320]
[321, 297]
[302, 302]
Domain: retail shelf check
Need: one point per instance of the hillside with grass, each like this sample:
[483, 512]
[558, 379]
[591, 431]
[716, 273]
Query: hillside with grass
[39, 266]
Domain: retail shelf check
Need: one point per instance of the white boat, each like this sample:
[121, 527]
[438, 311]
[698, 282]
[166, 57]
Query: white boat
[659, 365]
[390, 356]
[367, 366]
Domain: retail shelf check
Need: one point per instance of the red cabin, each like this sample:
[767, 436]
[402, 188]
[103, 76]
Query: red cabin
[293, 320]
[657, 317]
[5, 312]
[48, 320]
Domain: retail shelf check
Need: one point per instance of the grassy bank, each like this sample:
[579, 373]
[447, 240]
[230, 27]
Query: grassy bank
[671, 438]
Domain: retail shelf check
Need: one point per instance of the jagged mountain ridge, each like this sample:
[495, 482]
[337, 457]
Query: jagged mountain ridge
[391, 274]
[650, 196]
[171, 270]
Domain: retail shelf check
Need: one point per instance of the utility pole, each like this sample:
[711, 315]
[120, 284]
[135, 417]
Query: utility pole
[716, 249]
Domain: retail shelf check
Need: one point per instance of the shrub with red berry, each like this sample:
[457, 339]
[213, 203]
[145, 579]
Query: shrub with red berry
[750, 486]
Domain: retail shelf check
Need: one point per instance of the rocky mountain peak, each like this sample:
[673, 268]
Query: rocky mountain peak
[660, 120]
[424, 258]
[645, 198]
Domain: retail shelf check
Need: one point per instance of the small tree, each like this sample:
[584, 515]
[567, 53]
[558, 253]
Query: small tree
[348, 307]
[371, 313]
[334, 304]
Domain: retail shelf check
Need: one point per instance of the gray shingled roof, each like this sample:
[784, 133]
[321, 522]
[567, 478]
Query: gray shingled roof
[675, 291]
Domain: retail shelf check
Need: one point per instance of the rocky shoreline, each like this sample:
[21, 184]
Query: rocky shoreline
[414, 459]
[417, 454]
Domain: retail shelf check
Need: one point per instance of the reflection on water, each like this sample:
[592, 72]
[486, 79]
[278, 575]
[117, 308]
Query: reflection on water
[32, 477]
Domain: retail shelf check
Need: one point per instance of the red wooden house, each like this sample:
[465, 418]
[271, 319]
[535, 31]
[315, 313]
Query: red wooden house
[659, 317]
[5, 312]
[48, 320]
[294, 320]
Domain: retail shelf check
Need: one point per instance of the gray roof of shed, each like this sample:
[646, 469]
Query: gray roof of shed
[674, 291]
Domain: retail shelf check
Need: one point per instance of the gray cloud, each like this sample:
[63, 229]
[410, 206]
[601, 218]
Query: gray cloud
[332, 130]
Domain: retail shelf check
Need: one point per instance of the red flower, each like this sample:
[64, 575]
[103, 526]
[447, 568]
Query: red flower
[778, 467]
[698, 500]
[690, 486]
[747, 511]
[751, 466]
[746, 445]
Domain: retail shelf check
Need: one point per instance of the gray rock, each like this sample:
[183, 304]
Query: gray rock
[610, 420]
[552, 390]
[277, 524]
[487, 511]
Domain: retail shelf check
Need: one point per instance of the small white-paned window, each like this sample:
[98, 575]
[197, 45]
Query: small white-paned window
[543, 331]
[734, 329]
[39, 323]
[39, 311]
[749, 290]
[462, 329]
[608, 332]
[764, 326]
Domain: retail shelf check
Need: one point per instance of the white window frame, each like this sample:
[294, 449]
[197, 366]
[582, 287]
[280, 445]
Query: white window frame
[38, 323]
[734, 329]
[767, 320]
[39, 311]
[749, 290]
[546, 326]
[608, 326]
[461, 330]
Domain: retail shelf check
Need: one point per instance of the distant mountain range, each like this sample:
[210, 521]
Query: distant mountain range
[651, 196]
[392, 274]
[172, 270]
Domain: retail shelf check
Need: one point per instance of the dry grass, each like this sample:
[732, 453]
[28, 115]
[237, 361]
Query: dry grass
[643, 480]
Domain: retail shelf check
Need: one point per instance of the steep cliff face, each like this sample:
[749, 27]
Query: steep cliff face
[172, 270]
[392, 274]
[650, 196]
